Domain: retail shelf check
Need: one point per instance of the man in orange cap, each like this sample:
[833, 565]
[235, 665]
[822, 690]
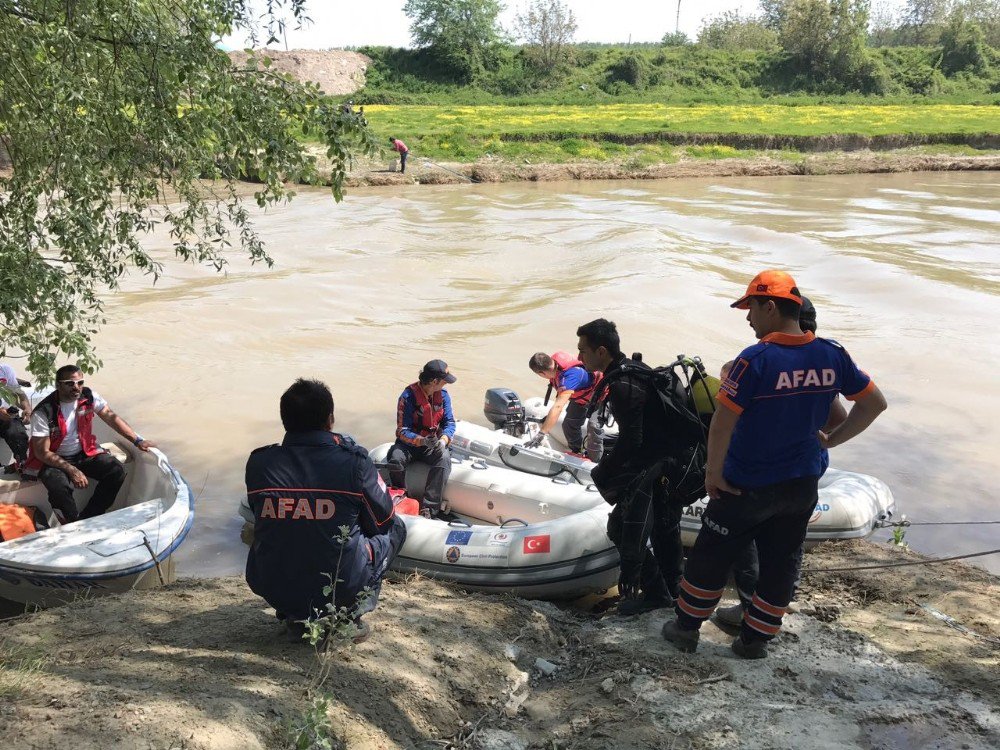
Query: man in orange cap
[765, 457]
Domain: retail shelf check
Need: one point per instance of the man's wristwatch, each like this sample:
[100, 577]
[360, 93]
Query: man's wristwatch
[138, 439]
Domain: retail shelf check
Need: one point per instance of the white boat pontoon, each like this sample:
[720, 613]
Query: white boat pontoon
[128, 547]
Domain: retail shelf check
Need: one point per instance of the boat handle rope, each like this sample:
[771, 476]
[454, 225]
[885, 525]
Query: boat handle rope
[479, 465]
[513, 520]
[461, 523]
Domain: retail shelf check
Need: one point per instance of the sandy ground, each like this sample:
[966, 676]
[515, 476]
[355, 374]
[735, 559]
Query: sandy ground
[381, 171]
[336, 71]
[203, 664]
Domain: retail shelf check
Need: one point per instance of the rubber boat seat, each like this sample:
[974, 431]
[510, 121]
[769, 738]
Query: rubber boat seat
[11, 484]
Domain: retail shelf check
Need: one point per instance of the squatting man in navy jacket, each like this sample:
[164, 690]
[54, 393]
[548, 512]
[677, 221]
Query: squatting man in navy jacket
[302, 492]
[64, 453]
[425, 425]
[765, 457]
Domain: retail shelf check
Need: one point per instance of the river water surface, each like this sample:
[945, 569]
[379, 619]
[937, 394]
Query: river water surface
[903, 269]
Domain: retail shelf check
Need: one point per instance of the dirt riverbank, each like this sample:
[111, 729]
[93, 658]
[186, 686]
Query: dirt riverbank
[381, 171]
[203, 664]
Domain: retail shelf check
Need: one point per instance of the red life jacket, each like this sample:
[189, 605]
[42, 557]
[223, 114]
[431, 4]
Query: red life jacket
[566, 361]
[49, 406]
[429, 413]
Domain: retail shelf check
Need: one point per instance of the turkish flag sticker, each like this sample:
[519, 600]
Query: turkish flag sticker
[538, 543]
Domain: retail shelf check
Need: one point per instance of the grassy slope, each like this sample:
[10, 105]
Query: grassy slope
[651, 132]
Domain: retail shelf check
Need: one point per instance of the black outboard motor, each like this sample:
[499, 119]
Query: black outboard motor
[504, 411]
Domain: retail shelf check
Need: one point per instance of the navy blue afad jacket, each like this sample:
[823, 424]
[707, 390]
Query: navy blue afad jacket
[301, 493]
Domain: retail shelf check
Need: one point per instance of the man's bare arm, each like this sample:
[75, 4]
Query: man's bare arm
[552, 418]
[120, 426]
[720, 433]
[40, 448]
[862, 414]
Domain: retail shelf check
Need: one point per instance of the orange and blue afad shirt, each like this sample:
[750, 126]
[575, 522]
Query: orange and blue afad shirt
[782, 389]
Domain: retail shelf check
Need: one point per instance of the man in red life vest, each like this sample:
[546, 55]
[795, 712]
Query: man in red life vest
[765, 456]
[63, 451]
[425, 426]
[399, 147]
[574, 385]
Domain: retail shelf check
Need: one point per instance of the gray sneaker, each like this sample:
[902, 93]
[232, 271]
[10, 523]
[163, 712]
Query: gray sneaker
[729, 618]
[751, 650]
[364, 630]
[684, 640]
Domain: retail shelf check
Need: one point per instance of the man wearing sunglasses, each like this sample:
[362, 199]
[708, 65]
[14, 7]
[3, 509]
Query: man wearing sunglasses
[63, 452]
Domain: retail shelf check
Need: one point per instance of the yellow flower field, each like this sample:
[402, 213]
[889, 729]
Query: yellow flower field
[631, 119]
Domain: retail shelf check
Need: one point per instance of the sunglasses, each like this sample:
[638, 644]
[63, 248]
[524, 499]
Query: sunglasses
[71, 382]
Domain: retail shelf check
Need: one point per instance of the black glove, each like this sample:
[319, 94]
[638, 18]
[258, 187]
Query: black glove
[431, 443]
[535, 441]
[629, 579]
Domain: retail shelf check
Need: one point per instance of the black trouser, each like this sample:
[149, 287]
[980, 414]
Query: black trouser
[103, 467]
[402, 161]
[746, 572]
[14, 434]
[439, 460]
[775, 517]
[384, 548]
[644, 512]
[574, 426]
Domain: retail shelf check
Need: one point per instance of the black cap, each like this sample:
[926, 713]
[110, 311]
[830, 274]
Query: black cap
[807, 315]
[435, 369]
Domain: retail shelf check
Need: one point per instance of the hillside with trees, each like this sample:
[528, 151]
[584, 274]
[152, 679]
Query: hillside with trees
[931, 50]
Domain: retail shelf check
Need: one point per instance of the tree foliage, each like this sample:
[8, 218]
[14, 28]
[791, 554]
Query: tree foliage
[827, 39]
[961, 45]
[462, 34]
[986, 15]
[120, 116]
[734, 31]
[675, 39]
[547, 27]
[630, 69]
[922, 21]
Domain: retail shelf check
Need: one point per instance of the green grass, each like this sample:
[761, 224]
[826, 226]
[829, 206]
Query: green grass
[18, 665]
[648, 133]
[454, 123]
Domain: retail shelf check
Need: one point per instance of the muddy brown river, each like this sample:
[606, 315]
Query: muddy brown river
[903, 269]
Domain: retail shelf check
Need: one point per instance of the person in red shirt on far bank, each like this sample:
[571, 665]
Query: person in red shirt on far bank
[765, 457]
[400, 147]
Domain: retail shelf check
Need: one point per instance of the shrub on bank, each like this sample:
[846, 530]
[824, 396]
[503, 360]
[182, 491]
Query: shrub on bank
[692, 73]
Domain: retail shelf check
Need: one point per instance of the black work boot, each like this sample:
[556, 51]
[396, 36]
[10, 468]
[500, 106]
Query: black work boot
[295, 631]
[644, 603]
[683, 640]
[754, 649]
